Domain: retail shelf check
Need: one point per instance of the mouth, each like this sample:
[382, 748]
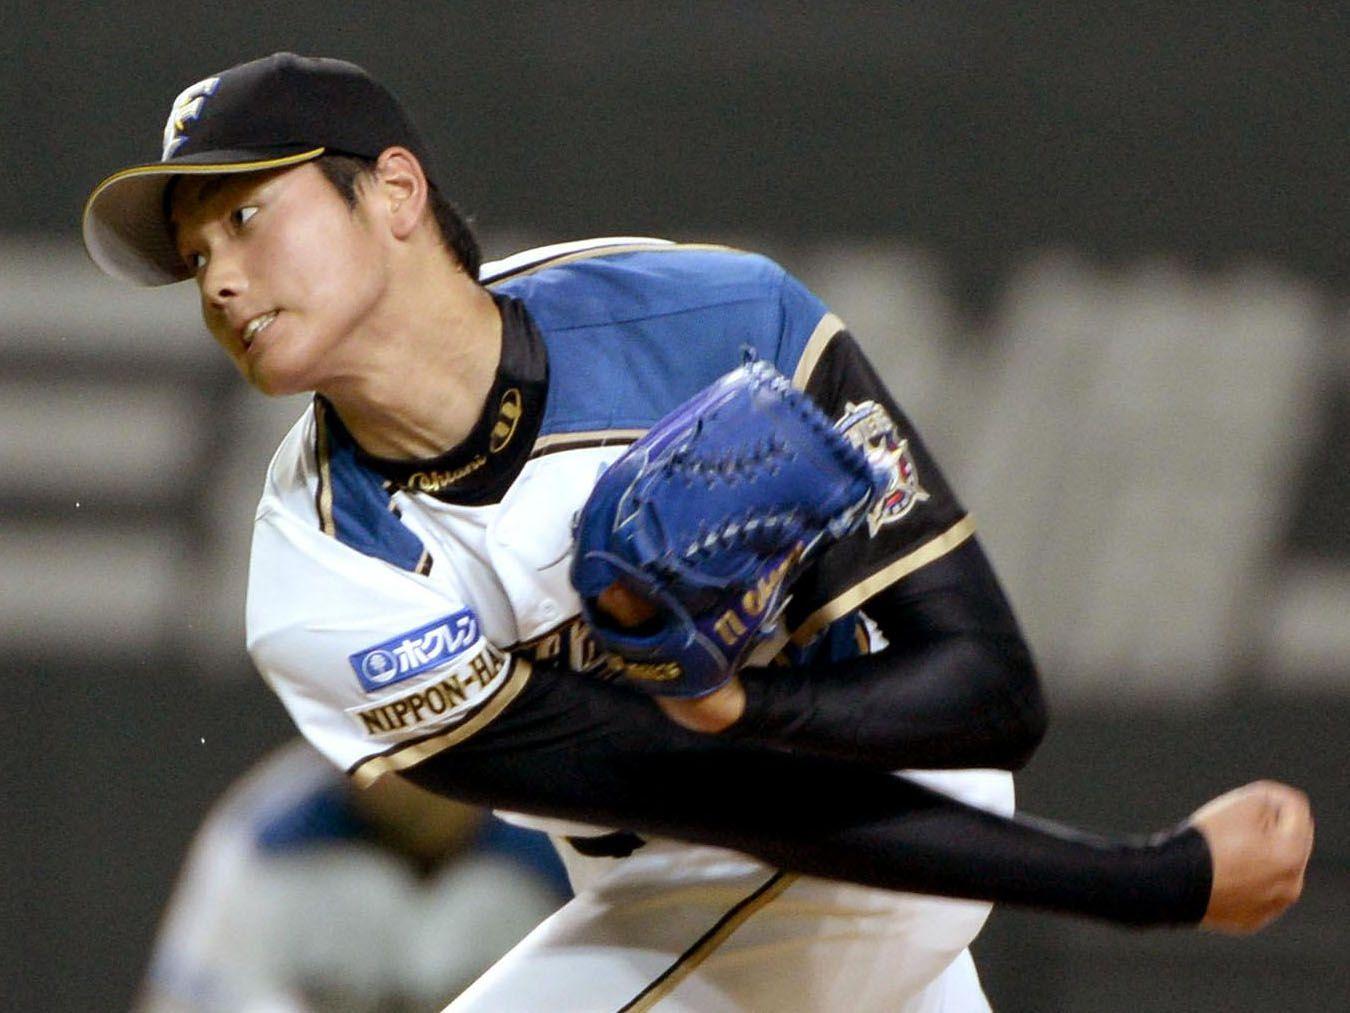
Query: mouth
[256, 326]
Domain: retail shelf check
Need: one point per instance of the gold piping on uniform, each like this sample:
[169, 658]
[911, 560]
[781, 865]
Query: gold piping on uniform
[584, 440]
[888, 575]
[324, 499]
[366, 771]
[829, 326]
[608, 251]
[707, 943]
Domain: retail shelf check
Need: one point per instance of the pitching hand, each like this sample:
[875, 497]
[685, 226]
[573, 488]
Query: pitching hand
[1260, 837]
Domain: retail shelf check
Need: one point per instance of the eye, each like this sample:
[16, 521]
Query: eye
[194, 261]
[240, 216]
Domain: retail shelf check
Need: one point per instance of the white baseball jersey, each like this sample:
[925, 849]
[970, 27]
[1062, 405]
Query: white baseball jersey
[410, 610]
[396, 610]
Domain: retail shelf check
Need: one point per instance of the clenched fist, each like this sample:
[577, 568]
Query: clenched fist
[1259, 837]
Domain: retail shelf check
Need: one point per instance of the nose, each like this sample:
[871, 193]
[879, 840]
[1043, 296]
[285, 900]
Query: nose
[222, 279]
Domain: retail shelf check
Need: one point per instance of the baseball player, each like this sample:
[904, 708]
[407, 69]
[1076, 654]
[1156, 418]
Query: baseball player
[295, 862]
[409, 596]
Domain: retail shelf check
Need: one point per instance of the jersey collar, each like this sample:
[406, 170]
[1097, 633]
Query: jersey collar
[480, 469]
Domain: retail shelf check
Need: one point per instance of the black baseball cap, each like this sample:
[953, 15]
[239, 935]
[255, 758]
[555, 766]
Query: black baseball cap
[279, 111]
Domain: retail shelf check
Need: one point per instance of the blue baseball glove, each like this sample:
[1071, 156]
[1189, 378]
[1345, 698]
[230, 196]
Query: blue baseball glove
[710, 517]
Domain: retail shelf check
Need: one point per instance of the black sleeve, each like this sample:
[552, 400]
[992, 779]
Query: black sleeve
[955, 688]
[956, 685]
[578, 749]
[920, 512]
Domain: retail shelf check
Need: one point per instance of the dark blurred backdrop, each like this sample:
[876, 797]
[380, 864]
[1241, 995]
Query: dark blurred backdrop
[1077, 235]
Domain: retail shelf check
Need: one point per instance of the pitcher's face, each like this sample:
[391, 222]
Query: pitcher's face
[286, 270]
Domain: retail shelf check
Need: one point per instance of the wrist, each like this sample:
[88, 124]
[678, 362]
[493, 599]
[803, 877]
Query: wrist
[710, 714]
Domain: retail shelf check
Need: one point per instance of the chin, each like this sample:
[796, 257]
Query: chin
[275, 382]
[293, 365]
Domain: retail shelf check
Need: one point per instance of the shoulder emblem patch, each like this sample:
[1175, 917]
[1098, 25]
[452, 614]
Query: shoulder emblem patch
[869, 427]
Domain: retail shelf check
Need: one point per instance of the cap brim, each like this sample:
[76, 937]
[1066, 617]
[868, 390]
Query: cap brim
[125, 229]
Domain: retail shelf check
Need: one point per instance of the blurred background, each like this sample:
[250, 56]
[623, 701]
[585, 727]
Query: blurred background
[1098, 250]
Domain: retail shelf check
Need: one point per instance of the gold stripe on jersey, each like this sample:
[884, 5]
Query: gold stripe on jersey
[829, 326]
[366, 771]
[606, 251]
[883, 578]
[323, 499]
[556, 442]
[691, 958]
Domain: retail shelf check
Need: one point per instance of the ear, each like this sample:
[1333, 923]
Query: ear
[402, 189]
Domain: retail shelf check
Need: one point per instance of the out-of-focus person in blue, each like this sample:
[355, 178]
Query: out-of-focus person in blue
[303, 892]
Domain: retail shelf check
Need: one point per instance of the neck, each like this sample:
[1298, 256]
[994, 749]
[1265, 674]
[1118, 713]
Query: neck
[423, 369]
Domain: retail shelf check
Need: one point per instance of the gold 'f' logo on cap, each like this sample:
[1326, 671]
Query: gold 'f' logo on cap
[186, 108]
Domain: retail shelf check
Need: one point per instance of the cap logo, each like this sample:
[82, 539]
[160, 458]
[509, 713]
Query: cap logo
[186, 108]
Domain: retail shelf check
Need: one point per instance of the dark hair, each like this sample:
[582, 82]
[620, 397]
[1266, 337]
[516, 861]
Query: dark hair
[345, 171]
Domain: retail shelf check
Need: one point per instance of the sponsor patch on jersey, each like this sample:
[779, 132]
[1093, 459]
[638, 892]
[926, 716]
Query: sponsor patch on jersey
[459, 691]
[869, 427]
[431, 646]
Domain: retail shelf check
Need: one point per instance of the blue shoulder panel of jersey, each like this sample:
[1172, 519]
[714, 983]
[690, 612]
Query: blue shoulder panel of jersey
[354, 503]
[633, 332]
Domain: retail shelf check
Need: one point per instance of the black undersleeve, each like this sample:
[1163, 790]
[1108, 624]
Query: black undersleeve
[803, 782]
[577, 749]
[956, 688]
